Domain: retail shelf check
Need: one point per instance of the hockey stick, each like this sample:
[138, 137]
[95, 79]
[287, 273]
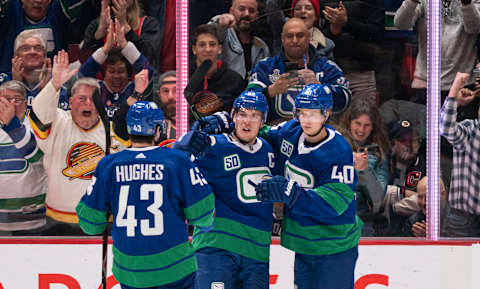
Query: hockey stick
[106, 124]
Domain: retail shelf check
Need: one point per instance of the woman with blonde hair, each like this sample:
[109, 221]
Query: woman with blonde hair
[363, 127]
[143, 31]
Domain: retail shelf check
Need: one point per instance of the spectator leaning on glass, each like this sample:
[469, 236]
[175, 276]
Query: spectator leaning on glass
[23, 179]
[282, 77]
[363, 126]
[464, 217]
[47, 17]
[30, 64]
[73, 142]
[241, 49]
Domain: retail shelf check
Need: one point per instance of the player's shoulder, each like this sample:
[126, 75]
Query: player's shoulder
[288, 128]
[339, 142]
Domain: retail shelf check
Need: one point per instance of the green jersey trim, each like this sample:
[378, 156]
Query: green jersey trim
[156, 269]
[18, 203]
[337, 195]
[201, 213]
[235, 237]
[90, 220]
[320, 239]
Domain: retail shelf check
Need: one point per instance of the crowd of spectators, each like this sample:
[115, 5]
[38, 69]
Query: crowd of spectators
[373, 55]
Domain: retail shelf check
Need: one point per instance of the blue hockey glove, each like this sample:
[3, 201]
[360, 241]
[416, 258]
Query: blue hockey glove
[278, 189]
[216, 123]
[195, 142]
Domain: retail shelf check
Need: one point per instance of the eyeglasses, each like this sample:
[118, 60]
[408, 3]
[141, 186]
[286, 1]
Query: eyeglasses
[27, 48]
[13, 99]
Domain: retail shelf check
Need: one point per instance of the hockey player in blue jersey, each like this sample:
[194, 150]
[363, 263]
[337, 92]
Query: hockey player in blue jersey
[150, 191]
[320, 222]
[235, 253]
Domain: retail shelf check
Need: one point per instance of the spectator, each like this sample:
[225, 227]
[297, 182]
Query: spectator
[30, 64]
[281, 86]
[49, 18]
[363, 125]
[408, 166]
[309, 12]
[22, 203]
[73, 143]
[214, 82]
[416, 225]
[464, 136]
[165, 13]
[142, 31]
[460, 28]
[120, 116]
[356, 26]
[116, 64]
[167, 100]
[240, 48]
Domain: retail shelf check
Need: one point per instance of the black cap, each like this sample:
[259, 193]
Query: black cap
[399, 128]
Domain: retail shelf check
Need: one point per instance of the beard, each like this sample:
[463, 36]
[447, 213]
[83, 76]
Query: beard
[169, 109]
[244, 27]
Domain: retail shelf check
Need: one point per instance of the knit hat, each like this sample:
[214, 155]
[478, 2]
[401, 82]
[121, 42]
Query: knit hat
[316, 7]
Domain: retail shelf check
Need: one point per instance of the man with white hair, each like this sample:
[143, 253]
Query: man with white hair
[30, 63]
[73, 142]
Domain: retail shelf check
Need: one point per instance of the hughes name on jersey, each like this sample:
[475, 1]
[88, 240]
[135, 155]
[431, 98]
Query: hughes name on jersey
[150, 192]
[323, 220]
[243, 225]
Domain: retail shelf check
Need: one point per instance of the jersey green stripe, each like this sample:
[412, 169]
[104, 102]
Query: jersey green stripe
[199, 209]
[18, 203]
[333, 199]
[320, 240]
[156, 277]
[36, 156]
[97, 220]
[235, 237]
[153, 261]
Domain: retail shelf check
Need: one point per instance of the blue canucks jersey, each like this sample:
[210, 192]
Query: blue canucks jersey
[243, 225]
[150, 193]
[267, 71]
[323, 220]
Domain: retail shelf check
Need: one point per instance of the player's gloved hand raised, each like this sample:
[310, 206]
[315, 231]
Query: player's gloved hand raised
[195, 141]
[278, 189]
[219, 122]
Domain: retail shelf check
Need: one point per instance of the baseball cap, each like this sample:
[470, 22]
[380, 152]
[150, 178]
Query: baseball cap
[398, 128]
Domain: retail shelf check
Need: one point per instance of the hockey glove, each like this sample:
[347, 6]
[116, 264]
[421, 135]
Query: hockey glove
[278, 189]
[195, 142]
[216, 123]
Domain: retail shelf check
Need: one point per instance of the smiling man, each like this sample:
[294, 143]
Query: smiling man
[241, 49]
[219, 80]
[30, 64]
[235, 253]
[73, 143]
[283, 76]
